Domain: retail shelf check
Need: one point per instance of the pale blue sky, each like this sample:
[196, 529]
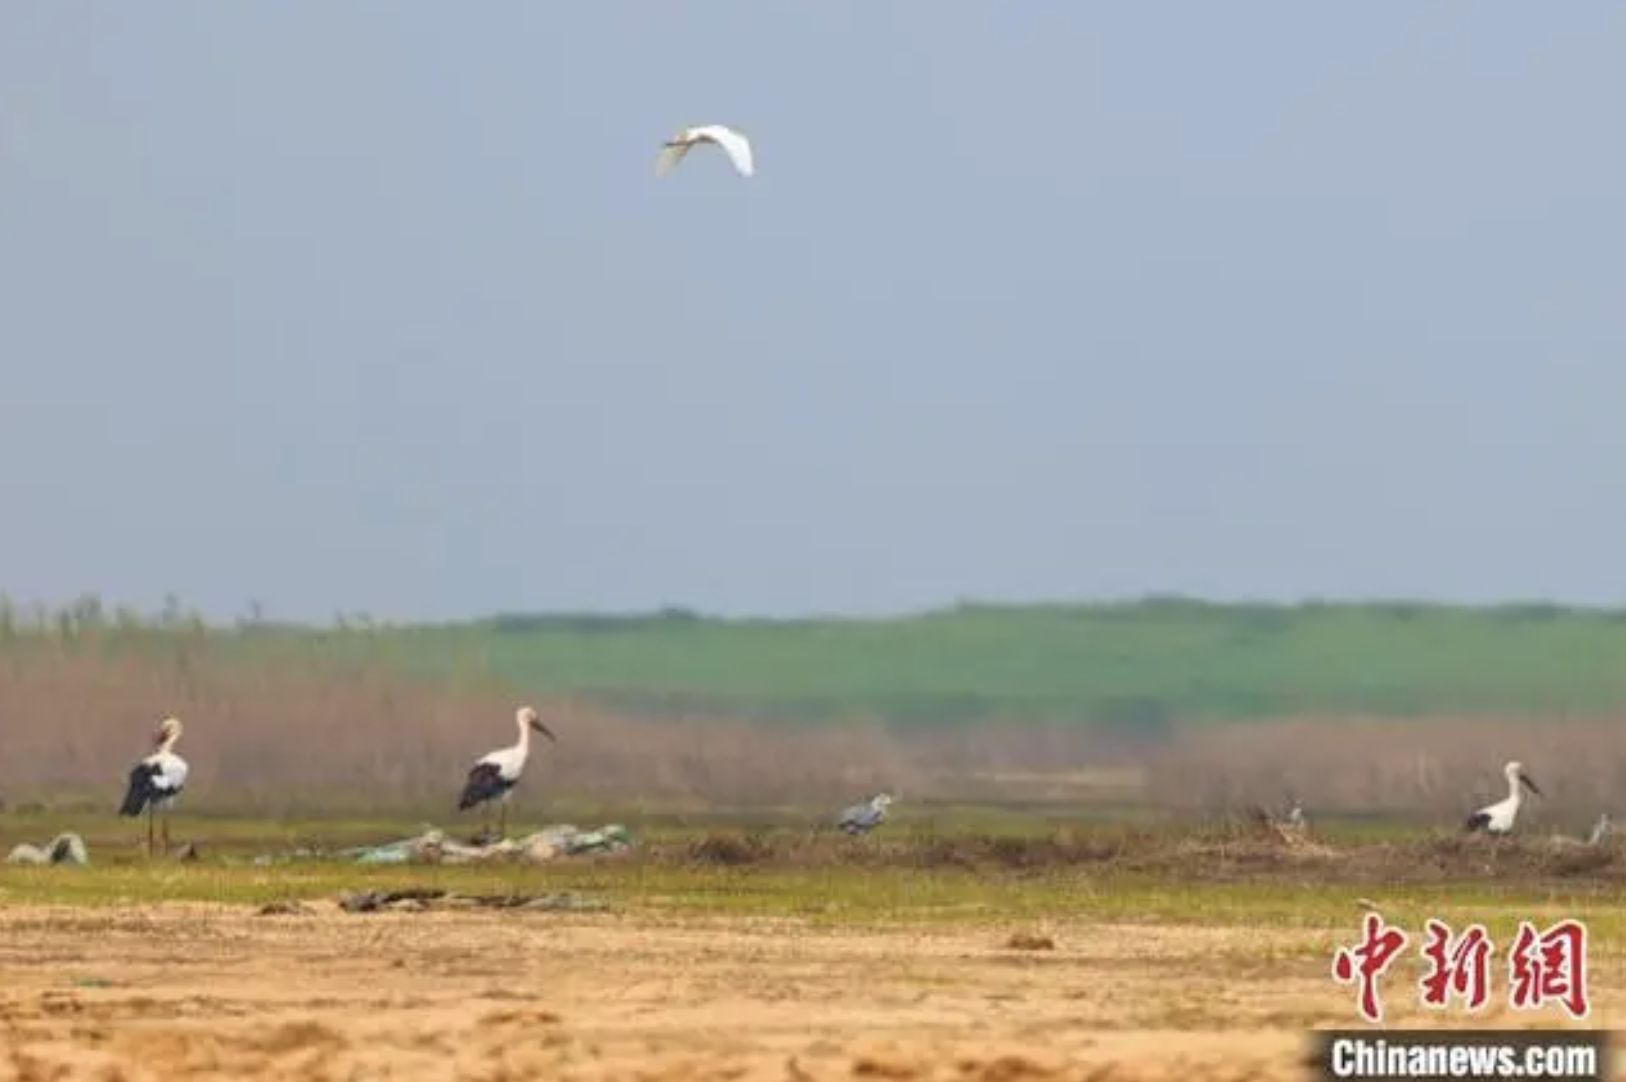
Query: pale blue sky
[379, 306]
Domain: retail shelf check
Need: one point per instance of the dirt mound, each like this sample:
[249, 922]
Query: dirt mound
[734, 849]
[1462, 856]
[1228, 851]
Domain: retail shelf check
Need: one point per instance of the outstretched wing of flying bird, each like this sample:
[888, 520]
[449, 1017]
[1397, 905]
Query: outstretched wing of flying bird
[669, 158]
[735, 145]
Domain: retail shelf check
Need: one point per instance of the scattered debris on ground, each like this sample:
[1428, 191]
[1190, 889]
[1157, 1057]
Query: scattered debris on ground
[433, 847]
[285, 909]
[62, 849]
[418, 900]
[1030, 941]
[265, 860]
[543, 903]
[369, 901]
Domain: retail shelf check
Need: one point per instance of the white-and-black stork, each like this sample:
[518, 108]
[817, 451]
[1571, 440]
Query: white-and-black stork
[1498, 818]
[494, 773]
[157, 780]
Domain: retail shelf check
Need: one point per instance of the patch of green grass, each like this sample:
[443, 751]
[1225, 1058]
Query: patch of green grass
[848, 896]
[1135, 666]
[1132, 666]
[912, 826]
[839, 882]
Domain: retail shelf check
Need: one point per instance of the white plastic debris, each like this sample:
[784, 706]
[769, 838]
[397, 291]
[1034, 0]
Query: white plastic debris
[62, 849]
[433, 847]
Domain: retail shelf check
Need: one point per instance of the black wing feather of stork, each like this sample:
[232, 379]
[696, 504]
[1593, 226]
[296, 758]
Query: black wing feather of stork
[142, 790]
[485, 782]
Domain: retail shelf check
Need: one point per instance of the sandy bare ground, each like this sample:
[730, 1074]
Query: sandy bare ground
[192, 992]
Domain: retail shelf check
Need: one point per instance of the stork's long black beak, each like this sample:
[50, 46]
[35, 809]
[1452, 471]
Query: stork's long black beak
[1530, 785]
[544, 730]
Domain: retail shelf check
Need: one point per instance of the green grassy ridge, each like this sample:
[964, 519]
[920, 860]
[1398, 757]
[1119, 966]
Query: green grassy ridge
[654, 880]
[1137, 665]
[839, 896]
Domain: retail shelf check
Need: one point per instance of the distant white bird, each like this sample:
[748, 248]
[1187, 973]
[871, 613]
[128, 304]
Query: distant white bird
[1295, 815]
[1498, 818]
[157, 780]
[494, 773]
[737, 146]
[863, 818]
[1600, 830]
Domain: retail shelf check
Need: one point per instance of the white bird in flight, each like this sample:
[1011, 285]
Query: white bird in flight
[737, 146]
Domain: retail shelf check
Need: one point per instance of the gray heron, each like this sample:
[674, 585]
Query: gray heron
[1601, 830]
[865, 817]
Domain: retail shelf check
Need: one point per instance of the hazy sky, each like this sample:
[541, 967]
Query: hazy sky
[379, 306]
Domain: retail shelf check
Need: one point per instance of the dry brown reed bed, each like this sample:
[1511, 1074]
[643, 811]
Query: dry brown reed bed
[274, 737]
[287, 736]
[1434, 768]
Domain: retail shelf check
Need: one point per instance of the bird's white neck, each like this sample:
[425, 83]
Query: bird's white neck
[166, 745]
[1514, 793]
[523, 746]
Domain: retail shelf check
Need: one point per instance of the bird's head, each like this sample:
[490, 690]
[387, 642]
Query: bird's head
[169, 729]
[528, 718]
[881, 800]
[1517, 776]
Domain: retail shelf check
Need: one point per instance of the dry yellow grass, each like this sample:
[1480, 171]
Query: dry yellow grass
[209, 992]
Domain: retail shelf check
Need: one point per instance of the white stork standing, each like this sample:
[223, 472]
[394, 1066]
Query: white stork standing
[493, 775]
[735, 145]
[1498, 818]
[157, 780]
